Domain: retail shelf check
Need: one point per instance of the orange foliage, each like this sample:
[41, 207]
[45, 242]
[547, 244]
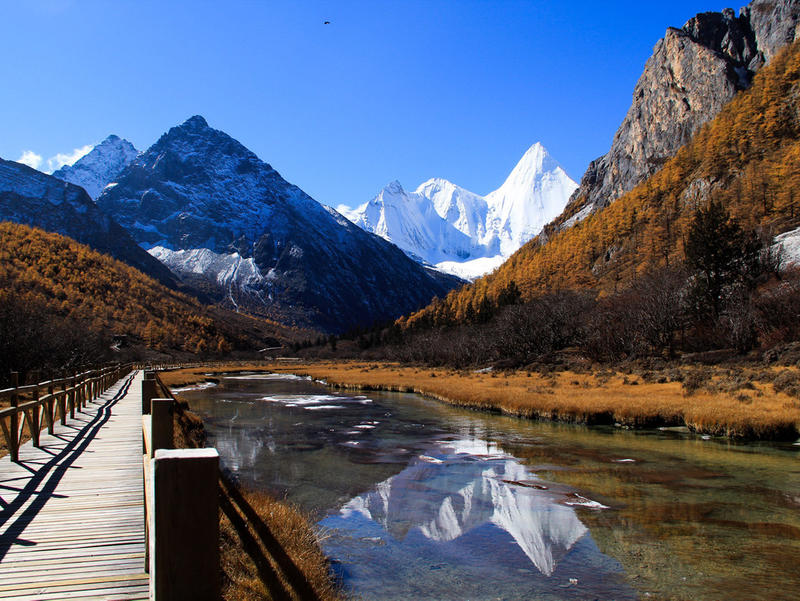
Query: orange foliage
[73, 281]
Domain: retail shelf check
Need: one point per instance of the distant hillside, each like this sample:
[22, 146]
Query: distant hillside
[748, 158]
[51, 286]
[33, 198]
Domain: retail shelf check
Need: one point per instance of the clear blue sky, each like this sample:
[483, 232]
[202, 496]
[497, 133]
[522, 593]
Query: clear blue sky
[389, 90]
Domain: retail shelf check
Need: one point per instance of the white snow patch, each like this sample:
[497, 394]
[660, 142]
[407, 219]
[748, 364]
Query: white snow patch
[94, 168]
[202, 386]
[579, 501]
[232, 272]
[270, 376]
[578, 217]
[473, 269]
[789, 245]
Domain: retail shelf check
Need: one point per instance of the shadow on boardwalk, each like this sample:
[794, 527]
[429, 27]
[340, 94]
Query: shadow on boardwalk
[48, 475]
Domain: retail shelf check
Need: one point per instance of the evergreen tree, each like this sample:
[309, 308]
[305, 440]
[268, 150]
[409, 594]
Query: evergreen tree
[721, 254]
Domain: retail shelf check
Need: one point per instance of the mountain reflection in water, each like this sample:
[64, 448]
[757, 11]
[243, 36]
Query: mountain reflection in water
[459, 487]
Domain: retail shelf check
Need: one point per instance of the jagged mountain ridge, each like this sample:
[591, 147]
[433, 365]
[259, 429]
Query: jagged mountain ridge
[461, 232]
[202, 203]
[95, 170]
[30, 197]
[694, 71]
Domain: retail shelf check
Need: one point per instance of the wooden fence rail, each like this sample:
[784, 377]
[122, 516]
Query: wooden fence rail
[45, 402]
[181, 506]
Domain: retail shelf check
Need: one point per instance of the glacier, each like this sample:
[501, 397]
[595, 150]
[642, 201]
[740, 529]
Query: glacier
[462, 233]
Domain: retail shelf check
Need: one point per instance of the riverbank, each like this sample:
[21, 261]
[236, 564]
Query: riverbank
[755, 403]
[268, 548]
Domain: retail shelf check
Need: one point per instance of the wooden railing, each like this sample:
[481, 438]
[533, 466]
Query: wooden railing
[181, 505]
[46, 402]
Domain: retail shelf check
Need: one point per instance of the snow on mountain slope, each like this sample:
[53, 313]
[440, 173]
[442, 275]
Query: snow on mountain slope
[461, 232]
[535, 193]
[788, 244]
[410, 221]
[232, 272]
[461, 208]
[95, 170]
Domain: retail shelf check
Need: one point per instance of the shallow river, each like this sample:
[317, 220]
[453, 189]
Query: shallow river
[419, 500]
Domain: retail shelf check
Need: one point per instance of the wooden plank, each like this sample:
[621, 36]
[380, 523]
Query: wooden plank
[72, 523]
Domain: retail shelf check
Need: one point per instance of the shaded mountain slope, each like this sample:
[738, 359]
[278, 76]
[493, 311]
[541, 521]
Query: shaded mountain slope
[229, 224]
[64, 282]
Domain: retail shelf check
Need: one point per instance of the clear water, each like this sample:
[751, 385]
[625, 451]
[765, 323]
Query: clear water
[419, 500]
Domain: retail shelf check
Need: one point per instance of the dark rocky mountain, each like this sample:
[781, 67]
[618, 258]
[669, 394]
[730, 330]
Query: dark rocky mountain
[693, 72]
[231, 226]
[33, 198]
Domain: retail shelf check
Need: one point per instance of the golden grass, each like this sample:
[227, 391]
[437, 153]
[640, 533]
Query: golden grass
[246, 574]
[754, 411]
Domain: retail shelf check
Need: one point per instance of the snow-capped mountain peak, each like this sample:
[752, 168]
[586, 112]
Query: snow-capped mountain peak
[196, 122]
[410, 220]
[534, 193]
[461, 208]
[95, 170]
[462, 232]
[394, 188]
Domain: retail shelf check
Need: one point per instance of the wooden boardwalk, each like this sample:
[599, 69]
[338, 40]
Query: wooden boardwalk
[72, 512]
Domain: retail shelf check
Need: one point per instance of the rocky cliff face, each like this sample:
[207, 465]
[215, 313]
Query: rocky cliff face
[693, 72]
[774, 23]
[232, 227]
[32, 198]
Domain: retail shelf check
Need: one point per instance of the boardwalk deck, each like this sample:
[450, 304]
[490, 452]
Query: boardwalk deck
[71, 513]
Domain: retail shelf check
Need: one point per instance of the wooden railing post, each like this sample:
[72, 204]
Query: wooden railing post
[162, 424]
[34, 421]
[69, 399]
[184, 525]
[13, 443]
[148, 391]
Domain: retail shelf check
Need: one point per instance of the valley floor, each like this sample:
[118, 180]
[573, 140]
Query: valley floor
[755, 402]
